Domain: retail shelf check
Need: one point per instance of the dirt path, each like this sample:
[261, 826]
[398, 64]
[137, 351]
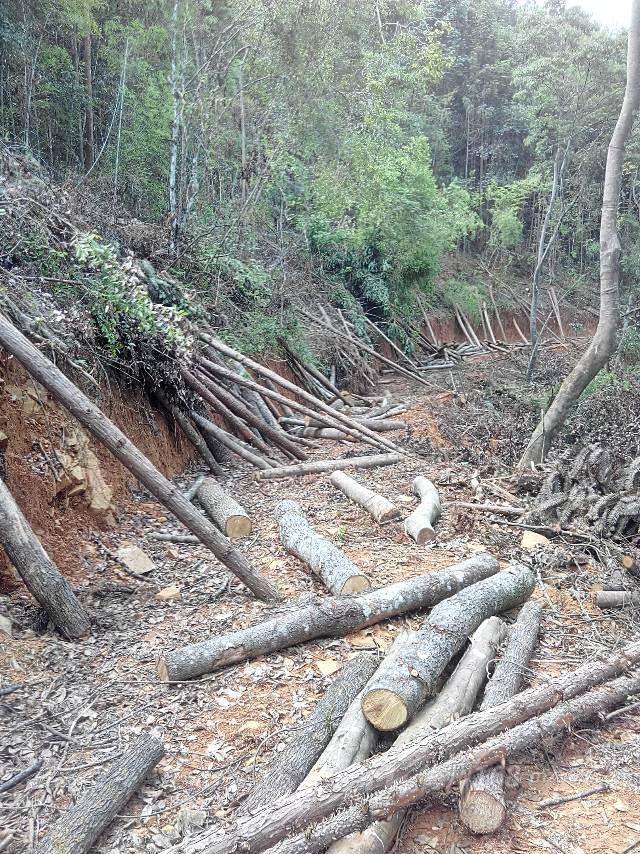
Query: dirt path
[79, 704]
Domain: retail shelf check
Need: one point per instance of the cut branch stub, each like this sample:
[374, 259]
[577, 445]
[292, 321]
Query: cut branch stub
[409, 674]
[419, 525]
[339, 574]
[232, 519]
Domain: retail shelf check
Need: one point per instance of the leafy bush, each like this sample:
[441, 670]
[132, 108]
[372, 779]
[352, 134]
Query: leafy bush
[463, 294]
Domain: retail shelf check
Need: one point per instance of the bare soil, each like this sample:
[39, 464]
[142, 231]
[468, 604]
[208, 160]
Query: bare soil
[80, 703]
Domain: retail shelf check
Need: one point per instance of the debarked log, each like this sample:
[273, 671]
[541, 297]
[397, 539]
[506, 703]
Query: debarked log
[334, 617]
[376, 505]
[339, 574]
[409, 675]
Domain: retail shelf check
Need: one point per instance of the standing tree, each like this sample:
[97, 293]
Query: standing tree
[605, 340]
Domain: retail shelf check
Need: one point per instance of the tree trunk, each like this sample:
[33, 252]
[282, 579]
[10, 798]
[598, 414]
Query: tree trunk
[339, 575]
[232, 519]
[604, 342]
[88, 144]
[482, 802]
[454, 701]
[106, 432]
[409, 674]
[259, 830]
[175, 136]
[617, 598]
[37, 570]
[190, 431]
[412, 790]
[291, 766]
[419, 525]
[319, 466]
[324, 433]
[80, 826]
[230, 442]
[376, 505]
[332, 618]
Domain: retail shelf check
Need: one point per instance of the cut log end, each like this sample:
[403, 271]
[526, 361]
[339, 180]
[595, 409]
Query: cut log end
[356, 584]
[237, 527]
[384, 709]
[482, 812]
[421, 534]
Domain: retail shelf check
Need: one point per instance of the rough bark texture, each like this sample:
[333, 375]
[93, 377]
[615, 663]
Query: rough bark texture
[232, 519]
[332, 618]
[325, 433]
[339, 575]
[419, 525]
[329, 465]
[604, 342]
[482, 803]
[291, 766]
[357, 784]
[105, 431]
[455, 700]
[353, 741]
[79, 827]
[226, 439]
[376, 505]
[190, 431]
[409, 674]
[406, 792]
[37, 570]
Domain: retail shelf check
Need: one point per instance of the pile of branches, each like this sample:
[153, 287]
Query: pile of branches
[586, 490]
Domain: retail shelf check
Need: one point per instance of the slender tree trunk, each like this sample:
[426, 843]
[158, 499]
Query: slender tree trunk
[175, 135]
[605, 340]
[88, 110]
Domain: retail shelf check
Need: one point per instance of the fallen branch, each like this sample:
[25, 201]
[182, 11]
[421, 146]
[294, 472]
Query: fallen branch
[409, 674]
[331, 618]
[338, 573]
[419, 525]
[21, 776]
[80, 826]
[502, 509]
[376, 505]
[616, 599]
[329, 465]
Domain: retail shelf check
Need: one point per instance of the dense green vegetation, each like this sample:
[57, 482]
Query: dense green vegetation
[281, 144]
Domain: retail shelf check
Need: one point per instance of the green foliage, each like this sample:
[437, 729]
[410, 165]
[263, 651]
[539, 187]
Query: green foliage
[461, 292]
[262, 332]
[630, 342]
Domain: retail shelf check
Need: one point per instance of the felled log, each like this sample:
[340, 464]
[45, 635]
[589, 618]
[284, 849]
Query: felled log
[39, 573]
[232, 519]
[376, 505]
[121, 447]
[314, 401]
[527, 712]
[440, 777]
[405, 679]
[334, 617]
[324, 433]
[616, 598]
[319, 466]
[482, 801]
[353, 741]
[80, 826]
[339, 574]
[232, 443]
[290, 767]
[455, 700]
[190, 431]
[419, 524]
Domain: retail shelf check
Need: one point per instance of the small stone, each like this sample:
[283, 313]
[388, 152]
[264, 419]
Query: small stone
[168, 594]
[5, 626]
[135, 560]
[530, 540]
[190, 819]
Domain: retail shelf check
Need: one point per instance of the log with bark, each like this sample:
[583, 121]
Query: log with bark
[133, 459]
[320, 466]
[238, 448]
[306, 744]
[617, 598]
[455, 700]
[323, 433]
[406, 678]
[191, 432]
[331, 618]
[328, 562]
[482, 801]
[232, 519]
[80, 826]
[461, 748]
[419, 525]
[39, 573]
[376, 505]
